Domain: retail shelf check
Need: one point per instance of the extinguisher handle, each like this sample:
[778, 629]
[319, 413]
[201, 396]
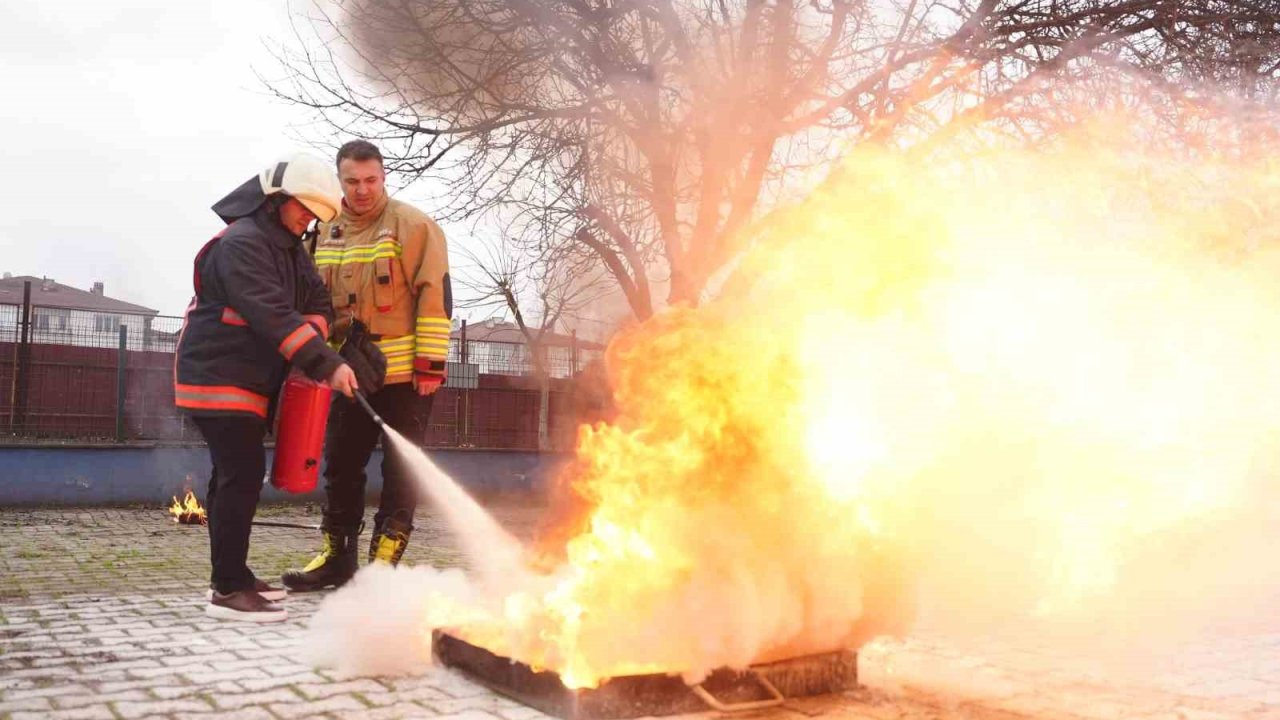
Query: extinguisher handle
[364, 403]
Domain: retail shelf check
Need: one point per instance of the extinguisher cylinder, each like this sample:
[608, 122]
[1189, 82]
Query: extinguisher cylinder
[301, 420]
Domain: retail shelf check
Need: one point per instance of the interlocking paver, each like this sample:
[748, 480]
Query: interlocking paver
[207, 677]
[316, 691]
[31, 703]
[101, 617]
[97, 712]
[485, 702]
[231, 701]
[69, 700]
[399, 711]
[520, 712]
[469, 715]
[335, 704]
[175, 691]
[264, 683]
[158, 707]
[15, 695]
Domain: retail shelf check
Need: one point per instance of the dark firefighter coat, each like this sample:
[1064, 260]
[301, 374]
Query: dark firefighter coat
[259, 306]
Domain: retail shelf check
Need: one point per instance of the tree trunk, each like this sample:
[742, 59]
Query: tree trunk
[544, 401]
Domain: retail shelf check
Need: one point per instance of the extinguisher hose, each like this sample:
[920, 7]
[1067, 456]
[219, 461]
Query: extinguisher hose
[364, 403]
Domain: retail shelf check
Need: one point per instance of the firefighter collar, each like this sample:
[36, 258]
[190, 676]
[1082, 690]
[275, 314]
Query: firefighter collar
[351, 222]
[275, 233]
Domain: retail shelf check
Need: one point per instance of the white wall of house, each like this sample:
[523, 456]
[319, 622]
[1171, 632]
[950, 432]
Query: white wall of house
[83, 328]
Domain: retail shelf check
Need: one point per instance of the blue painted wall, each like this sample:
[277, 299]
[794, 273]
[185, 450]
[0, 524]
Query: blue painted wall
[98, 475]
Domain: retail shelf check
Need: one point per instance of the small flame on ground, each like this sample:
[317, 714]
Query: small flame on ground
[188, 511]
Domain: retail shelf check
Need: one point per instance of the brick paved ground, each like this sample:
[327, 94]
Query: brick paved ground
[100, 617]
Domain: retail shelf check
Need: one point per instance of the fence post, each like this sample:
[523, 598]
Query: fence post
[573, 353]
[464, 394]
[120, 365]
[22, 365]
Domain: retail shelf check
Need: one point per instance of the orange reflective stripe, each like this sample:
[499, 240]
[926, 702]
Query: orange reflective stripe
[321, 324]
[296, 340]
[231, 317]
[219, 397]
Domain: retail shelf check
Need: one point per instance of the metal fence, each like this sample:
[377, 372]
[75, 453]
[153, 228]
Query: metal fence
[72, 375]
[505, 358]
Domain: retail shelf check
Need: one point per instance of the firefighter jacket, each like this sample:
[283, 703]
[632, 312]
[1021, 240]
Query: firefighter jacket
[389, 269]
[258, 307]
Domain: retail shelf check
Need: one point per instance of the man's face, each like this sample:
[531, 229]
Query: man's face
[363, 183]
[295, 217]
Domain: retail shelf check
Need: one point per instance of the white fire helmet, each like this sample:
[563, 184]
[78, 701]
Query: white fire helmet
[305, 177]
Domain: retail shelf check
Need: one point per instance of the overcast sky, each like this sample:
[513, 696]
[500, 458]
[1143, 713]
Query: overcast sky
[121, 122]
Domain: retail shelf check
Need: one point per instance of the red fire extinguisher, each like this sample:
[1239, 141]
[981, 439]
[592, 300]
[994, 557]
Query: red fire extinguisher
[300, 422]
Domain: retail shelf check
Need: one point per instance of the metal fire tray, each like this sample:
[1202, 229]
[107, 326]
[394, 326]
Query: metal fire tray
[633, 696]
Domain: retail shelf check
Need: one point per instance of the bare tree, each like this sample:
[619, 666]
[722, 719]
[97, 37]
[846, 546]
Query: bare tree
[642, 137]
[539, 292]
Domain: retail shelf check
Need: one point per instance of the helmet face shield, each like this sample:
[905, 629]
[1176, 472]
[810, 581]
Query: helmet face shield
[323, 212]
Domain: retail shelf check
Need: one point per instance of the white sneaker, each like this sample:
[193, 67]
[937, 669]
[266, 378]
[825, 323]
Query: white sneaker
[245, 605]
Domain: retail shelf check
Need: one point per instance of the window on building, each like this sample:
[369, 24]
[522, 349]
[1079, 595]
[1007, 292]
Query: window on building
[51, 319]
[106, 323]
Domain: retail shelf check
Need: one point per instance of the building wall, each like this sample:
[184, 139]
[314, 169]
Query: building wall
[82, 328]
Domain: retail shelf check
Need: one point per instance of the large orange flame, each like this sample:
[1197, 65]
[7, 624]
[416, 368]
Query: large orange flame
[1006, 376]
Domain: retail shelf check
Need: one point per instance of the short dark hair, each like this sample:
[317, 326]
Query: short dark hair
[358, 150]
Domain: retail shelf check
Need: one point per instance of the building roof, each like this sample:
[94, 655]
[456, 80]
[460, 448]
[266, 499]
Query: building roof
[505, 332]
[47, 293]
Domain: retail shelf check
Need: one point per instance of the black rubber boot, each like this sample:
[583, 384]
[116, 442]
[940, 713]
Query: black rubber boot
[333, 567]
[388, 542]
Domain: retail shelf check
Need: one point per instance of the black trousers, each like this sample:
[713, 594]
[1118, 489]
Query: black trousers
[348, 445]
[239, 464]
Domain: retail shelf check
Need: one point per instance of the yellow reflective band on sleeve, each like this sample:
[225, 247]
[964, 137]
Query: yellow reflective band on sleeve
[433, 337]
[432, 345]
[399, 368]
[391, 344]
[399, 352]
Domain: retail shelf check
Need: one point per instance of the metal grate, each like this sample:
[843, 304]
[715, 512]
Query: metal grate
[759, 687]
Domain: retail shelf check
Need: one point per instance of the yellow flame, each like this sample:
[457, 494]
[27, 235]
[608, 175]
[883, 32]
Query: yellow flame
[1003, 376]
[188, 507]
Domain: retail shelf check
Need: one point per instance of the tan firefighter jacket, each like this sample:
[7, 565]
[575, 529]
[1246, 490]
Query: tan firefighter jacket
[389, 268]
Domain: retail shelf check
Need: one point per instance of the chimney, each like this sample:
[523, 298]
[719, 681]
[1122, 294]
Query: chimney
[8, 275]
[46, 284]
[97, 289]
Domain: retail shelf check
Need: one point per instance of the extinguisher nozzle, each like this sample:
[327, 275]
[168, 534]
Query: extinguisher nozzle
[364, 403]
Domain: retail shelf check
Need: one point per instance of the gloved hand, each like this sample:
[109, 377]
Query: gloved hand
[428, 374]
[427, 384]
[365, 359]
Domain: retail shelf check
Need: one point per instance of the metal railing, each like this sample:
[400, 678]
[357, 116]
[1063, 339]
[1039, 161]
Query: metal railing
[85, 376]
